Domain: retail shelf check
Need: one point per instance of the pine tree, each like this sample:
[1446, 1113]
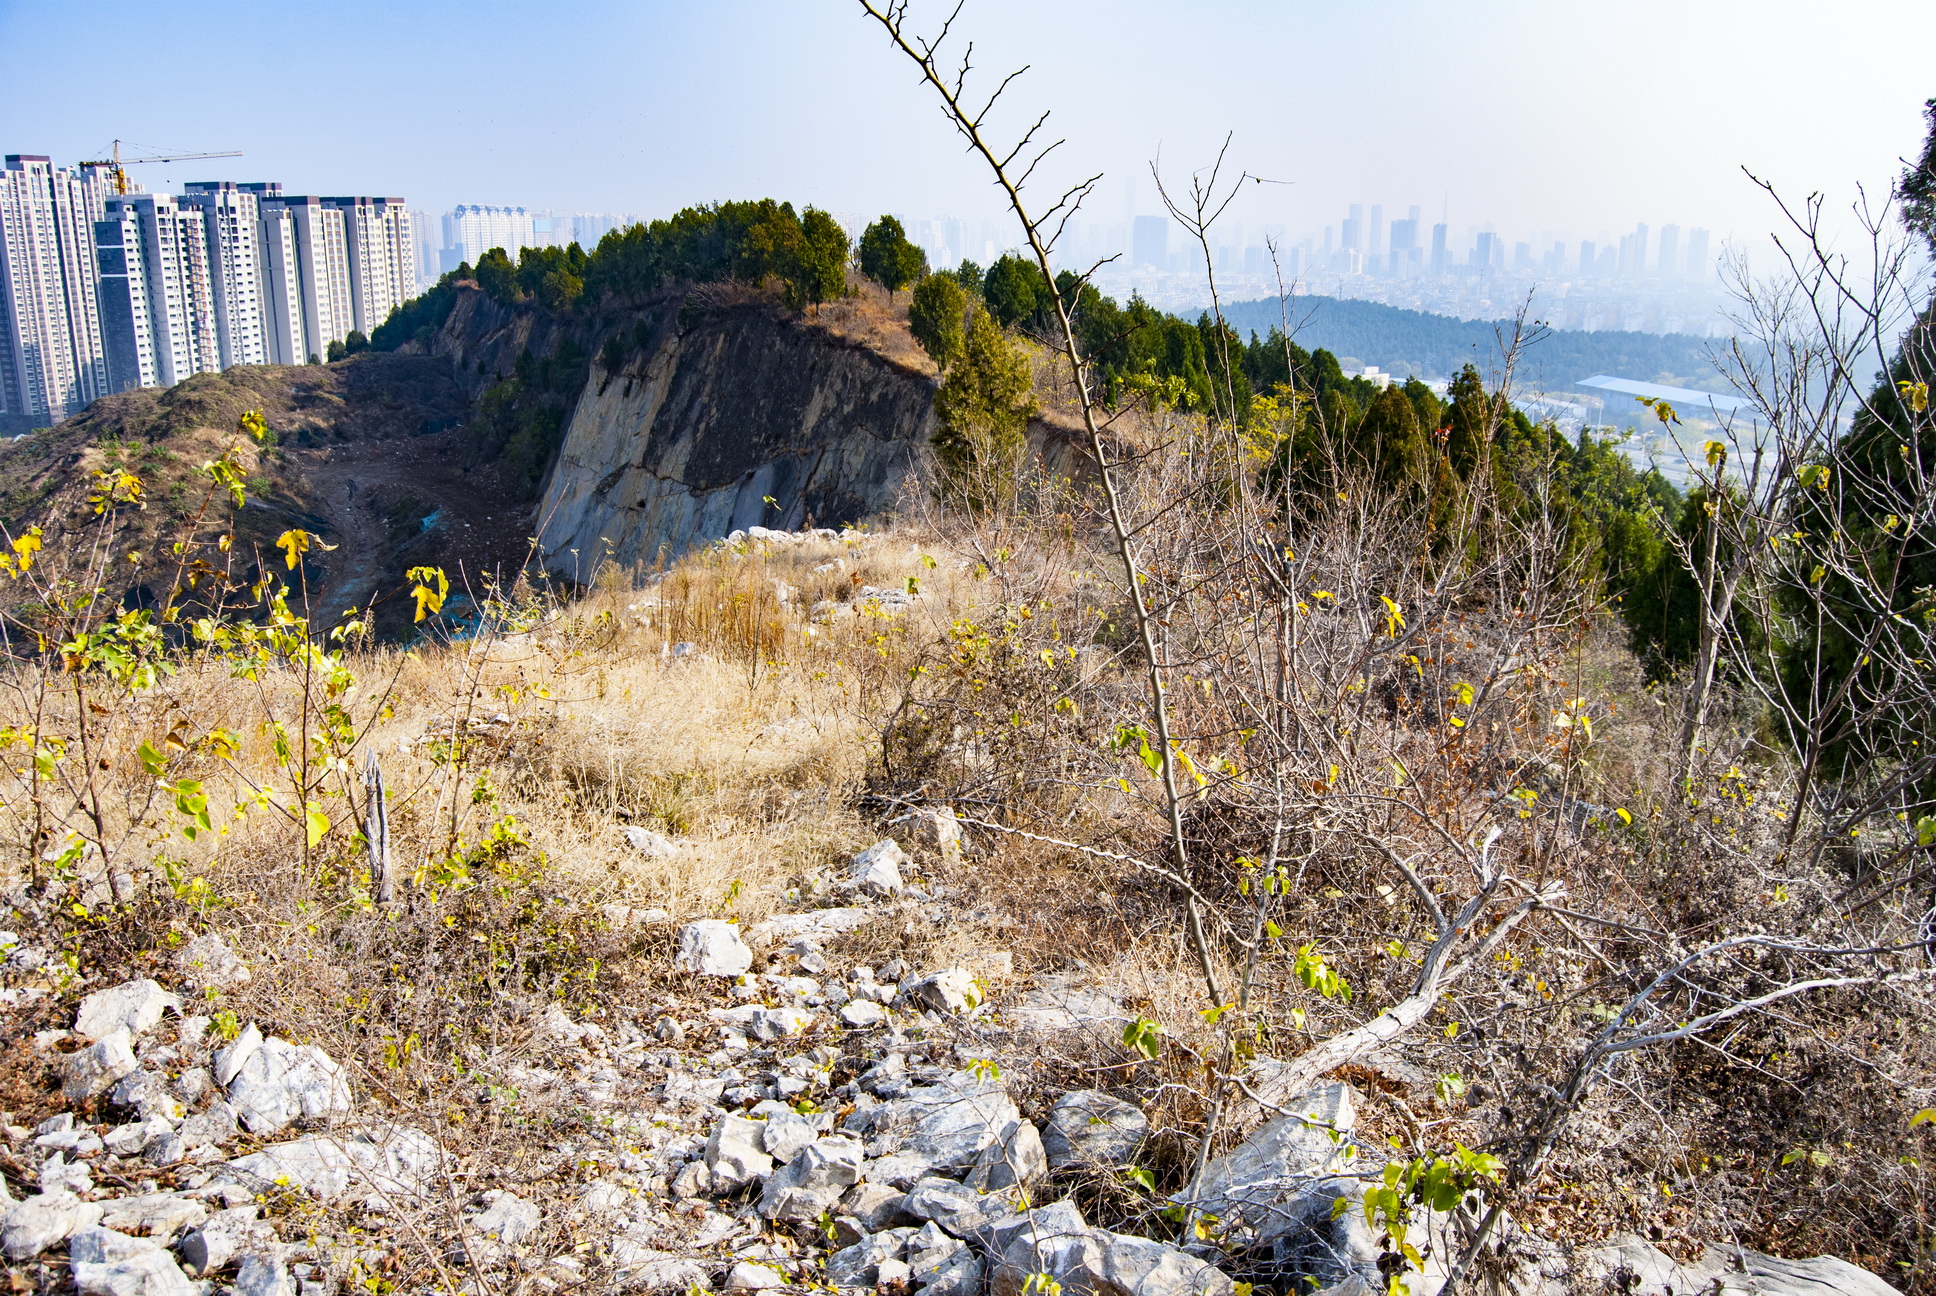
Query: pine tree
[888, 258]
[983, 409]
[935, 314]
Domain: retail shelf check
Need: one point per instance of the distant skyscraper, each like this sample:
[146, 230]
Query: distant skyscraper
[1151, 244]
[470, 232]
[1633, 253]
[1404, 246]
[1697, 254]
[1375, 243]
[1440, 257]
[51, 362]
[1486, 250]
[1352, 233]
[423, 242]
[1586, 256]
[589, 227]
[1669, 264]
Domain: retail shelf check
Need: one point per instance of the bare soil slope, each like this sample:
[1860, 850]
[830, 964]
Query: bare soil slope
[368, 453]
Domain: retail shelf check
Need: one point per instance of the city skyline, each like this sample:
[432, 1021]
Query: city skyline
[1591, 123]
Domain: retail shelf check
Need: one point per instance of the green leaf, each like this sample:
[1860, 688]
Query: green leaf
[151, 760]
[1151, 759]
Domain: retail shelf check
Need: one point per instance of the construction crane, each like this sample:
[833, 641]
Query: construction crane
[117, 162]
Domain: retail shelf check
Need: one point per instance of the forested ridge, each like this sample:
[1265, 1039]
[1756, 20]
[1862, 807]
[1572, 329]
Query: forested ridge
[1408, 342]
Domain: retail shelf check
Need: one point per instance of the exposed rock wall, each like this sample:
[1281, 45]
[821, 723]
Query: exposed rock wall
[731, 417]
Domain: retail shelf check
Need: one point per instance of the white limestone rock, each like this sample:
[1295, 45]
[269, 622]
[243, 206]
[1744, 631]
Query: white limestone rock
[762, 1023]
[951, 990]
[95, 1069]
[394, 1161]
[877, 870]
[261, 1273]
[735, 1153]
[814, 1181]
[133, 1006]
[97, 1245]
[1282, 1160]
[1088, 1127]
[1017, 1158]
[223, 1236]
[280, 1082]
[148, 1273]
[43, 1221]
[747, 1276]
[160, 1215]
[713, 947]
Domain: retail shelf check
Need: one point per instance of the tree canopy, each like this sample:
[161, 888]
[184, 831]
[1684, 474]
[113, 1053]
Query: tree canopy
[888, 258]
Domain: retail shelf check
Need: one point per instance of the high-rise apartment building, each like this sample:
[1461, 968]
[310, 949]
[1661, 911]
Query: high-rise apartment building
[51, 360]
[423, 242]
[231, 222]
[282, 281]
[158, 313]
[321, 266]
[470, 232]
[380, 257]
[127, 322]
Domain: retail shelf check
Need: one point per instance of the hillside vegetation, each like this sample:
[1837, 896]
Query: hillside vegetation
[1335, 840]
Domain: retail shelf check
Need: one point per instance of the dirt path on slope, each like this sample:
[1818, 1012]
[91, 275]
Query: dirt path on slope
[393, 504]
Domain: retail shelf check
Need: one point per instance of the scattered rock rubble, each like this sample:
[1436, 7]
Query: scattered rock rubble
[804, 1126]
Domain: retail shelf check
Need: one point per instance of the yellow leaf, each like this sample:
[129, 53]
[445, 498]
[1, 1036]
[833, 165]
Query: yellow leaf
[316, 823]
[1717, 453]
[1927, 1116]
[297, 542]
[429, 600]
[25, 546]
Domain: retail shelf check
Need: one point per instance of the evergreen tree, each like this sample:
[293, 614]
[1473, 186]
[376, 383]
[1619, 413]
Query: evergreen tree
[498, 277]
[888, 258]
[1013, 289]
[821, 270]
[935, 314]
[1388, 440]
[1469, 417]
[983, 408]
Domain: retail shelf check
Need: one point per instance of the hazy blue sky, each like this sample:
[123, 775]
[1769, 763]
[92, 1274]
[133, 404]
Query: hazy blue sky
[1580, 118]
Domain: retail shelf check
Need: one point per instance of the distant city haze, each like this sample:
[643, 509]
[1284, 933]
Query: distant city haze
[1580, 121]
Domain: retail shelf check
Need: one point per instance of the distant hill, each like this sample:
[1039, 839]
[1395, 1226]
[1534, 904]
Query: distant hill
[1409, 342]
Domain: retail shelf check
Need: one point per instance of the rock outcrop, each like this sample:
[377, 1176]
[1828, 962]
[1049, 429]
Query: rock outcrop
[742, 417]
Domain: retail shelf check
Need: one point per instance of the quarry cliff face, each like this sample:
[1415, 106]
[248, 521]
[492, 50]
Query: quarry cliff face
[722, 419]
